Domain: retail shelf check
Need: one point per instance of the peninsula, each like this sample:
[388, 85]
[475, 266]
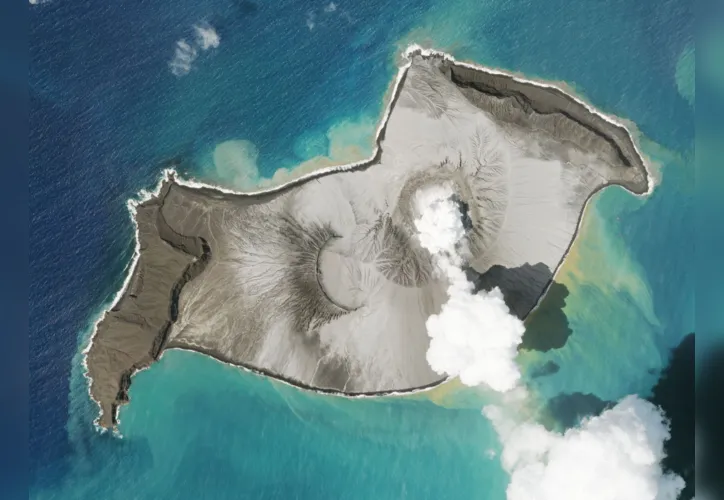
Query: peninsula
[322, 282]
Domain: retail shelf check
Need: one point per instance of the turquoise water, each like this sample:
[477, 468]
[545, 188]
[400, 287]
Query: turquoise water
[631, 294]
[199, 429]
[205, 430]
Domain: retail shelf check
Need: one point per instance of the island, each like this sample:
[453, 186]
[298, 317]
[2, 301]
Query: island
[322, 282]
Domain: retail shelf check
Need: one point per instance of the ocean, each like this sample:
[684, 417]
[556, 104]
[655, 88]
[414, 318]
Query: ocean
[114, 98]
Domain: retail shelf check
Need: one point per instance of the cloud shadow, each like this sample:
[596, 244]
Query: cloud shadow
[547, 326]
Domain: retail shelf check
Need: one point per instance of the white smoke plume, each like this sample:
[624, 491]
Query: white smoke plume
[615, 456]
[474, 337]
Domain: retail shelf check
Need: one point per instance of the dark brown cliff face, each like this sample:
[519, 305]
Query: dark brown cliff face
[553, 111]
[133, 333]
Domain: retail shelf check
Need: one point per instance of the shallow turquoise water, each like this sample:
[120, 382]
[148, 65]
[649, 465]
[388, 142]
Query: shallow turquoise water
[201, 429]
[198, 429]
[630, 289]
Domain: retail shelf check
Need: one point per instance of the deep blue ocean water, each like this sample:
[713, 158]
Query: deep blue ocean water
[107, 112]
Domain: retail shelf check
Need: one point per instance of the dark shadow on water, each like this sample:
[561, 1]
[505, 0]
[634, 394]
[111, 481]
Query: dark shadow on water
[549, 368]
[546, 327]
[245, 7]
[521, 286]
[709, 410]
[675, 394]
[567, 410]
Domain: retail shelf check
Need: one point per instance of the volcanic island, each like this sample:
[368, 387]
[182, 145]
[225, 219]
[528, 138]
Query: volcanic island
[322, 282]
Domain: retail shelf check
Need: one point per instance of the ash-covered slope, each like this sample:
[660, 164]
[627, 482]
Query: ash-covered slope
[323, 282]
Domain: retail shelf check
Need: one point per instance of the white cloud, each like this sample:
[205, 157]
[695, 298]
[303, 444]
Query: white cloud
[310, 20]
[183, 57]
[615, 456]
[474, 336]
[330, 7]
[206, 37]
[186, 53]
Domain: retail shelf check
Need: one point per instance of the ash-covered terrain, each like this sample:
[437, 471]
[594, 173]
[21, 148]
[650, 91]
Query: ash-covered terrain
[324, 282]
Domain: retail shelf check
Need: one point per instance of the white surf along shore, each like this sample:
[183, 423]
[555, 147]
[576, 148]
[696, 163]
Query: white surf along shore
[413, 50]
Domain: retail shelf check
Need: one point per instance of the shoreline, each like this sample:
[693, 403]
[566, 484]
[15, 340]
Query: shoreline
[188, 347]
[170, 175]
